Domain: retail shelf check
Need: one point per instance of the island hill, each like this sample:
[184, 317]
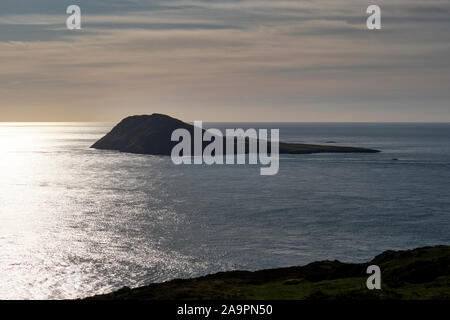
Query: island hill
[419, 274]
[151, 134]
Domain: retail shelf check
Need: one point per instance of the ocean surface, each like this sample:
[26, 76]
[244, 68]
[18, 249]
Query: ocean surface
[76, 221]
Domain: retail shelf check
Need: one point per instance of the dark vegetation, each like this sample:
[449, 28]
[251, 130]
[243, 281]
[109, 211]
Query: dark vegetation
[419, 274]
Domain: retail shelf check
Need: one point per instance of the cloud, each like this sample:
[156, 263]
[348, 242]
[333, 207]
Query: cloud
[202, 57]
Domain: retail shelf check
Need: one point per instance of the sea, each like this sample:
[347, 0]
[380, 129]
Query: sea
[75, 221]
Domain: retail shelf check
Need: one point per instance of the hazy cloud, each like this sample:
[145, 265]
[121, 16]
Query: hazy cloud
[289, 60]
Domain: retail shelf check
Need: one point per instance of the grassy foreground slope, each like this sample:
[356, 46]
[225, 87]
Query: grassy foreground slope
[422, 273]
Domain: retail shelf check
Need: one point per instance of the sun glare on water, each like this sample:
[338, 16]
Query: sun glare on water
[26, 206]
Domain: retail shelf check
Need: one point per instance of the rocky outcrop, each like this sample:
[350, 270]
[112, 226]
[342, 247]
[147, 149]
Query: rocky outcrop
[151, 134]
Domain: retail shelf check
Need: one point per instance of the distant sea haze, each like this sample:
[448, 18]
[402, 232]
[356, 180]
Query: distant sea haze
[78, 221]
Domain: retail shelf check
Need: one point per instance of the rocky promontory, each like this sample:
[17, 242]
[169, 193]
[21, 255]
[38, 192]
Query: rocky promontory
[151, 134]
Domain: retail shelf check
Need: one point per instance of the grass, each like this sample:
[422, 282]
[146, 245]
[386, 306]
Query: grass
[419, 274]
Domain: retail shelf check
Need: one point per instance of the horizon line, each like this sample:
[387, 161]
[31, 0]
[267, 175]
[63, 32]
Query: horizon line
[287, 122]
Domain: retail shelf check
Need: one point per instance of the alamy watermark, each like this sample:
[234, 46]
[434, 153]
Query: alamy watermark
[237, 146]
[374, 280]
[73, 22]
[373, 22]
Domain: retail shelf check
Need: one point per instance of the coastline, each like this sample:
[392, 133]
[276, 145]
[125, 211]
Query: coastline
[417, 274]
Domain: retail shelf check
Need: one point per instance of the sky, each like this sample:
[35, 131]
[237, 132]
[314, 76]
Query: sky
[234, 60]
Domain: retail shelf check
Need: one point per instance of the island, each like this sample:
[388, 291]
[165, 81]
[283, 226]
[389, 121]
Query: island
[151, 134]
[418, 274]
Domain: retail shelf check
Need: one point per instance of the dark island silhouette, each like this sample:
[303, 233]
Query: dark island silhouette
[151, 134]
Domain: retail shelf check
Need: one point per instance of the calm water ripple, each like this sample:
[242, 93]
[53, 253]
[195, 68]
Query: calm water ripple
[77, 221]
